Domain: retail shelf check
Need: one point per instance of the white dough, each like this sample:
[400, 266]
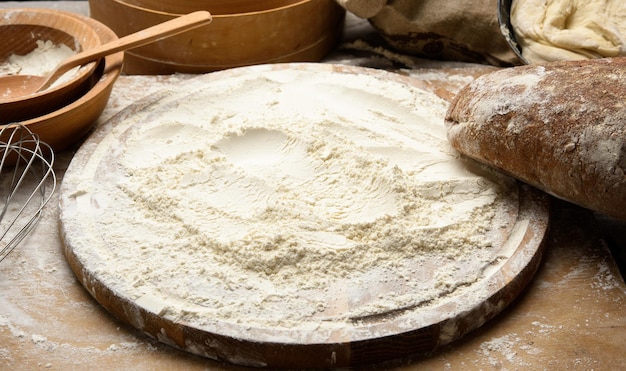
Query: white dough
[551, 30]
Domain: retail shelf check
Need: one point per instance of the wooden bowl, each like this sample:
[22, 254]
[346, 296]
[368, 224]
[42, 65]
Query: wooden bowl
[20, 31]
[242, 32]
[215, 6]
[69, 124]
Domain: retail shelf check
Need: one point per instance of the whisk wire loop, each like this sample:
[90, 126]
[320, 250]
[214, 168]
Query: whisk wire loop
[27, 183]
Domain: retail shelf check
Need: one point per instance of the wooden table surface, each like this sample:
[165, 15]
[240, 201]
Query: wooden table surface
[572, 315]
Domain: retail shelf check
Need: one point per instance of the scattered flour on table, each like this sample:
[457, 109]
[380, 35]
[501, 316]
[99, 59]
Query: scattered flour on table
[285, 199]
[506, 348]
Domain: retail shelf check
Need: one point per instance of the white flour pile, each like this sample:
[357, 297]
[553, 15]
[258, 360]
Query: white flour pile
[285, 200]
[40, 62]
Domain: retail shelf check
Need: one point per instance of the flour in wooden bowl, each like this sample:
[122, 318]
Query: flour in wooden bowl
[40, 62]
[289, 203]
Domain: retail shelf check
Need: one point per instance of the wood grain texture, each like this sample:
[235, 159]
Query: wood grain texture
[282, 34]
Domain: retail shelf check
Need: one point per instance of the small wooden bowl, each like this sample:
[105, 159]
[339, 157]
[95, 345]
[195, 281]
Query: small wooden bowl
[69, 124]
[19, 31]
[242, 32]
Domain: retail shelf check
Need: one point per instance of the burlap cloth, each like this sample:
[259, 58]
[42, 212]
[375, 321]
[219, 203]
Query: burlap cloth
[460, 30]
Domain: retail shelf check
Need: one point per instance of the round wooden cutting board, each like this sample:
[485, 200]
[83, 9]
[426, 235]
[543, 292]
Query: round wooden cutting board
[321, 340]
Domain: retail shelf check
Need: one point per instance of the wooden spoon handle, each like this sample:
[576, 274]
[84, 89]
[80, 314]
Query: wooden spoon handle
[134, 40]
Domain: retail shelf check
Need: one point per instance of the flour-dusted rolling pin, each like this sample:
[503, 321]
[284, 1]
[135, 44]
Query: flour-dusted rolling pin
[560, 127]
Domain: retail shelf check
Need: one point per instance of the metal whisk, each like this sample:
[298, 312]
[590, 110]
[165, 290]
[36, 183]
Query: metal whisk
[27, 182]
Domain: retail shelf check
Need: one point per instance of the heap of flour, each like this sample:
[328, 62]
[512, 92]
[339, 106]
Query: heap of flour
[284, 199]
[39, 62]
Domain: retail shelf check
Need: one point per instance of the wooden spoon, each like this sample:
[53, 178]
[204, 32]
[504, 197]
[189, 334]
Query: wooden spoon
[19, 85]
